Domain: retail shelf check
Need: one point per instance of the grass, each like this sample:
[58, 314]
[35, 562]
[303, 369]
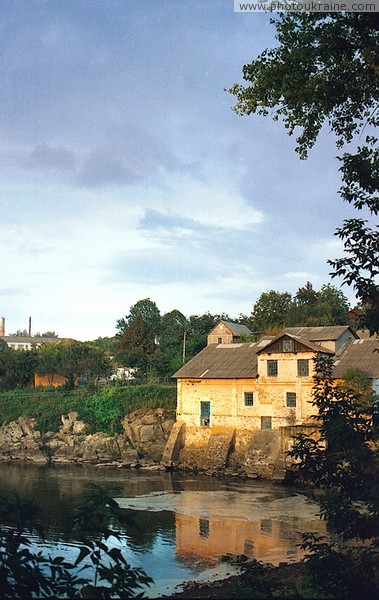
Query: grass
[102, 410]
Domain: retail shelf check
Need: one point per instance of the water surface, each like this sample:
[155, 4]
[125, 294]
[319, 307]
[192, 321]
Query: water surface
[186, 521]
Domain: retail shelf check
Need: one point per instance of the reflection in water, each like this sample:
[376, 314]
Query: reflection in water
[186, 522]
[270, 541]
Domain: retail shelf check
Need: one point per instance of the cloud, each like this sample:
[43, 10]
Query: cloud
[47, 158]
[12, 291]
[133, 156]
[158, 266]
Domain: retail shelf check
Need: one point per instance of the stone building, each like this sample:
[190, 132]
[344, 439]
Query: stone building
[241, 403]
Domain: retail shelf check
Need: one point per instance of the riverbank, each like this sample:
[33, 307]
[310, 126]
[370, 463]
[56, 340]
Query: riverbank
[287, 580]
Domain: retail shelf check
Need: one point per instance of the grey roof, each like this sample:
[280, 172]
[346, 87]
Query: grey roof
[301, 339]
[222, 361]
[359, 354]
[26, 339]
[236, 328]
[239, 361]
[318, 334]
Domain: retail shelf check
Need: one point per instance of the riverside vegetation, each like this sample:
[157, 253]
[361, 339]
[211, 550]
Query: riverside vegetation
[101, 409]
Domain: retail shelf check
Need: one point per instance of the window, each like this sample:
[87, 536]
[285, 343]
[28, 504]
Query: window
[287, 345]
[204, 527]
[272, 368]
[249, 398]
[266, 526]
[205, 413]
[248, 547]
[291, 400]
[266, 423]
[303, 367]
[219, 340]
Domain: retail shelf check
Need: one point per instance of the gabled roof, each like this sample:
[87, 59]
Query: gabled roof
[359, 354]
[319, 334]
[222, 361]
[236, 328]
[301, 340]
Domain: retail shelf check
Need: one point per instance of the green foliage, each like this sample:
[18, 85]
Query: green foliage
[136, 345]
[75, 360]
[324, 69]
[148, 311]
[46, 405]
[100, 569]
[101, 411]
[270, 311]
[343, 463]
[308, 308]
[351, 573]
[17, 368]
[359, 384]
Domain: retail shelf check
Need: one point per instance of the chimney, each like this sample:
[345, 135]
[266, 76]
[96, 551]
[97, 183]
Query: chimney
[30, 326]
[2, 327]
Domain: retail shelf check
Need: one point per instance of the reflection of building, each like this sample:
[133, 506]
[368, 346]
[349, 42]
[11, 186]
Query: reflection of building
[267, 540]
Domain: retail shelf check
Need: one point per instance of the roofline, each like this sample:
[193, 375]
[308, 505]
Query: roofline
[309, 343]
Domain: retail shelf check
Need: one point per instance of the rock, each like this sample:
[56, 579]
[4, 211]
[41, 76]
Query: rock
[144, 438]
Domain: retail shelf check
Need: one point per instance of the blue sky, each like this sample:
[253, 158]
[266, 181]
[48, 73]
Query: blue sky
[126, 174]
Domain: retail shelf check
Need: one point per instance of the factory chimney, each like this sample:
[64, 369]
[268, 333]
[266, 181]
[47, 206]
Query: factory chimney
[2, 327]
[30, 326]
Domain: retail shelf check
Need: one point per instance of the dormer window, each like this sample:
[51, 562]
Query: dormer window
[287, 345]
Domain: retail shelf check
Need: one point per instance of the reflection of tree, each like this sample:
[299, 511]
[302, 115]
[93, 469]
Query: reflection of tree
[150, 525]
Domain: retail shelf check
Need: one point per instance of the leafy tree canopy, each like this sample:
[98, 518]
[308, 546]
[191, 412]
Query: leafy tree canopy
[308, 308]
[325, 70]
[149, 313]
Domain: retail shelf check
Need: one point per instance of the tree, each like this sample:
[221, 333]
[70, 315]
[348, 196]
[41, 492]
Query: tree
[325, 70]
[310, 308]
[46, 334]
[147, 310]
[269, 311]
[49, 361]
[337, 303]
[136, 345]
[77, 359]
[20, 366]
[359, 384]
[343, 465]
[172, 341]
[306, 295]
[20, 333]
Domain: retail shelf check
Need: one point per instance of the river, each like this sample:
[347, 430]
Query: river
[186, 521]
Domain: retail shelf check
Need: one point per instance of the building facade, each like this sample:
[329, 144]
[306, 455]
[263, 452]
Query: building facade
[245, 401]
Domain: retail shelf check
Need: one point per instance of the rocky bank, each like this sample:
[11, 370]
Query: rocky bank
[142, 442]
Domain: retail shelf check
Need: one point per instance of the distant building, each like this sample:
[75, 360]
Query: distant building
[28, 342]
[226, 332]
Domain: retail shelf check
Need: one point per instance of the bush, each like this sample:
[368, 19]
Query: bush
[103, 410]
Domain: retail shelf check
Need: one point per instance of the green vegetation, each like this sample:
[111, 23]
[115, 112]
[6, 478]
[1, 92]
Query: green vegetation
[100, 569]
[156, 346]
[343, 466]
[323, 71]
[101, 410]
[307, 308]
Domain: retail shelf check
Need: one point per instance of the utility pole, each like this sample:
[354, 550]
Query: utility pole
[184, 346]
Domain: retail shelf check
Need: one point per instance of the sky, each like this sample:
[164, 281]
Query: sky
[125, 173]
